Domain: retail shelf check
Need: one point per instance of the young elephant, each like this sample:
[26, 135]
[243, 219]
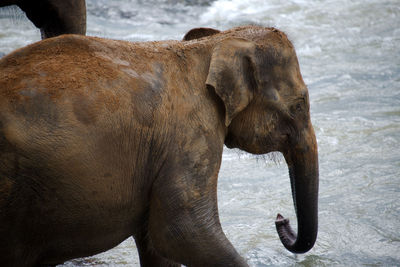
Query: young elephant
[101, 140]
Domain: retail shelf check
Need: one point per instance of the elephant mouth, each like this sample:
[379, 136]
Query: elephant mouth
[229, 141]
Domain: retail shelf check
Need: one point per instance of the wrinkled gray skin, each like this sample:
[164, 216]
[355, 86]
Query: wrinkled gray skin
[101, 140]
[53, 17]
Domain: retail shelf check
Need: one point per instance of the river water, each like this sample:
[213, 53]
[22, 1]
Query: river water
[349, 53]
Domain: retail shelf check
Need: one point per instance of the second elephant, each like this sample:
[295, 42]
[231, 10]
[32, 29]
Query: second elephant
[53, 17]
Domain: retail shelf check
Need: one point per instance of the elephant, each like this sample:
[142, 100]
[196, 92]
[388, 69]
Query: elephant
[54, 17]
[101, 140]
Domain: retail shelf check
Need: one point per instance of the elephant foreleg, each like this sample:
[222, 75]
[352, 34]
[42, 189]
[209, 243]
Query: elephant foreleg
[149, 257]
[184, 226]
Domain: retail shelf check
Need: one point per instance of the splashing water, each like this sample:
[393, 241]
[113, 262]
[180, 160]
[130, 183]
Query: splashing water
[350, 58]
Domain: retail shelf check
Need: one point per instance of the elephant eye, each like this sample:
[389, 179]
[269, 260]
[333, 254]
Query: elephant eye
[298, 107]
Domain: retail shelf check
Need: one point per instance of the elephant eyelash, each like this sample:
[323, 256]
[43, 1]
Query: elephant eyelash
[298, 106]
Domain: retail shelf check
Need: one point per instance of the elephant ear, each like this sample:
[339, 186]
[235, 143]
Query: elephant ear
[197, 33]
[232, 75]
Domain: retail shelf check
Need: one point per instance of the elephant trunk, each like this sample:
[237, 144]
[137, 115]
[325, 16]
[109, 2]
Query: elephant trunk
[302, 160]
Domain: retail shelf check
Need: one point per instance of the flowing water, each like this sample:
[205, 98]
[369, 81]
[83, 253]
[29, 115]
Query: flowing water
[349, 53]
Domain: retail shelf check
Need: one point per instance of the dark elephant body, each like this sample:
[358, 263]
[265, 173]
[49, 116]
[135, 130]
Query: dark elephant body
[54, 17]
[101, 140]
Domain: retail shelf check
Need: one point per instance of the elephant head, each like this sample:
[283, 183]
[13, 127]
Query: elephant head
[267, 109]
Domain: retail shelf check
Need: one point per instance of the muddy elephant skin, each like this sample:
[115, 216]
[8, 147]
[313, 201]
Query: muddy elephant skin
[101, 140]
[53, 17]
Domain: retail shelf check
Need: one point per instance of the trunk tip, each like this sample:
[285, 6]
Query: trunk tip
[280, 220]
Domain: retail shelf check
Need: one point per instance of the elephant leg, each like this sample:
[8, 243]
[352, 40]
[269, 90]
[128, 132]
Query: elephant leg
[56, 17]
[184, 226]
[149, 257]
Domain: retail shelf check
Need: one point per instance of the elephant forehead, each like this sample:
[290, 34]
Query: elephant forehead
[285, 77]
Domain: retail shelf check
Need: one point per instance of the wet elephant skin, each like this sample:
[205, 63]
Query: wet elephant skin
[101, 140]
